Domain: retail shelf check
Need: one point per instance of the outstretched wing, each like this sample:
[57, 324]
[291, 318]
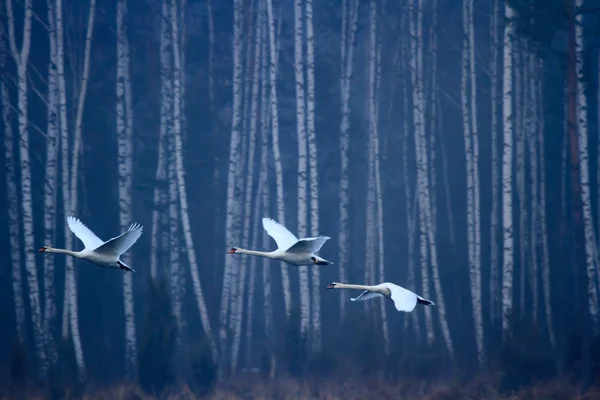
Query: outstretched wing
[284, 238]
[404, 299]
[83, 233]
[308, 245]
[366, 295]
[120, 244]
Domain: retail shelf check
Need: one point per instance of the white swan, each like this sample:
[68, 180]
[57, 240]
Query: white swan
[290, 249]
[404, 299]
[105, 254]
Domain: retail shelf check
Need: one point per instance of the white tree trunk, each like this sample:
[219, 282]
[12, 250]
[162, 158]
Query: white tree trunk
[374, 78]
[232, 217]
[50, 189]
[590, 239]
[185, 220]
[165, 120]
[285, 281]
[312, 163]
[264, 179]
[535, 233]
[542, 210]
[302, 163]
[507, 173]
[409, 199]
[427, 234]
[471, 149]
[414, 53]
[73, 313]
[125, 144]
[65, 168]
[350, 23]
[494, 246]
[520, 78]
[249, 180]
[12, 199]
[21, 59]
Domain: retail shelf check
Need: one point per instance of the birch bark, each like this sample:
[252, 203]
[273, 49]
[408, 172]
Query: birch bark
[313, 168]
[12, 197]
[542, 223]
[276, 152]
[50, 189]
[426, 226]
[494, 272]
[350, 23]
[302, 163]
[232, 217]
[124, 134]
[165, 115]
[507, 173]
[591, 258]
[185, 220]
[21, 58]
[249, 179]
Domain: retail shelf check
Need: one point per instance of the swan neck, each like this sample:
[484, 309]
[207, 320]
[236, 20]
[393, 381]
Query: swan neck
[63, 251]
[349, 286]
[255, 253]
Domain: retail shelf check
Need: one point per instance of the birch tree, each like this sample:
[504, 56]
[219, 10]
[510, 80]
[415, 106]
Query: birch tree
[591, 256]
[73, 186]
[374, 78]
[285, 281]
[349, 28]
[313, 168]
[185, 220]
[542, 222]
[507, 173]
[471, 149]
[264, 187]
[125, 144]
[424, 197]
[50, 188]
[160, 195]
[302, 162]
[12, 196]
[21, 58]
[494, 273]
[232, 235]
[249, 180]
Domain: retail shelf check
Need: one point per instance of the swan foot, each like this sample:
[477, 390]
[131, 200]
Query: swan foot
[320, 262]
[124, 266]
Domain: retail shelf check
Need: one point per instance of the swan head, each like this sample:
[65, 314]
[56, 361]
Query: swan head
[232, 250]
[43, 249]
[332, 285]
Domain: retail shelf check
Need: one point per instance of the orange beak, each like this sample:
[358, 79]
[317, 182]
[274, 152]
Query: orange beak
[330, 286]
[41, 249]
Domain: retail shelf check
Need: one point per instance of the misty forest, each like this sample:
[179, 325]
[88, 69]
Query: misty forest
[448, 147]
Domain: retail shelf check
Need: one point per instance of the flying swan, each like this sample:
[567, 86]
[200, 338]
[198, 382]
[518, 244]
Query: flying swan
[404, 299]
[105, 254]
[290, 249]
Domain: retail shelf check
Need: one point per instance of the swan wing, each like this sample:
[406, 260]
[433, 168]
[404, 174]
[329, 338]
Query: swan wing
[83, 233]
[284, 238]
[404, 299]
[120, 244]
[308, 245]
[366, 295]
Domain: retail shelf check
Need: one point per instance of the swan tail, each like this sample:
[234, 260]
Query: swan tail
[421, 300]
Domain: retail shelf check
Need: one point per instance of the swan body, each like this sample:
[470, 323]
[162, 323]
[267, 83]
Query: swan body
[290, 249]
[403, 299]
[105, 254]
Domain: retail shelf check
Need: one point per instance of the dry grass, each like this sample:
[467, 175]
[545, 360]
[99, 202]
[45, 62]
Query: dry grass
[251, 388]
